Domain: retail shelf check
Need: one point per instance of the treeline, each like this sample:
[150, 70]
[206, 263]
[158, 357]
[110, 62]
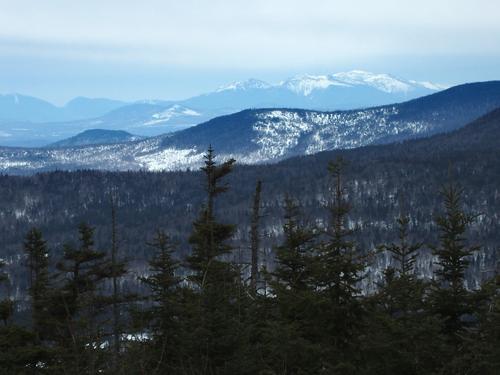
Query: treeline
[214, 312]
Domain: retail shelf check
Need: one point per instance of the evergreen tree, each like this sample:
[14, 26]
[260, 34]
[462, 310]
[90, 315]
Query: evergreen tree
[451, 300]
[290, 348]
[166, 311]
[37, 254]
[115, 268]
[483, 357]
[215, 329]
[78, 304]
[255, 239]
[337, 276]
[19, 349]
[403, 338]
[6, 304]
[404, 292]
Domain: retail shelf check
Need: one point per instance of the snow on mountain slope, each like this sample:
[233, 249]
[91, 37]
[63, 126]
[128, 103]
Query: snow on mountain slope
[31, 122]
[249, 84]
[382, 82]
[306, 84]
[174, 111]
[270, 135]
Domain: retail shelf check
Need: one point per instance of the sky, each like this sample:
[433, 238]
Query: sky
[164, 49]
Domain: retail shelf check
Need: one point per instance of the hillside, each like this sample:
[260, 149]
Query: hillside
[270, 135]
[96, 137]
[383, 180]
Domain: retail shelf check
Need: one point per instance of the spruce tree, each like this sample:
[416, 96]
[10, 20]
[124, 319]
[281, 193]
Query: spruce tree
[37, 254]
[402, 337]
[483, 342]
[166, 312]
[338, 272]
[215, 279]
[78, 304]
[6, 304]
[255, 239]
[289, 346]
[451, 299]
[20, 351]
[115, 268]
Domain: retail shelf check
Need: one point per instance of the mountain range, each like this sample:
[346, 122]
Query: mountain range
[27, 121]
[270, 135]
[382, 181]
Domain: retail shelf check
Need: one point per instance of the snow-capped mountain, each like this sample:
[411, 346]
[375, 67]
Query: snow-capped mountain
[346, 90]
[28, 126]
[250, 84]
[306, 84]
[271, 135]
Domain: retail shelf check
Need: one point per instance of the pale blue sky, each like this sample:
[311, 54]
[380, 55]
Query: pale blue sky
[124, 49]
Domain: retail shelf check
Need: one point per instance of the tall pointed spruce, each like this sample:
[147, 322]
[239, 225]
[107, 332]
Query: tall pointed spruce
[451, 299]
[215, 279]
[165, 313]
[37, 254]
[255, 239]
[339, 270]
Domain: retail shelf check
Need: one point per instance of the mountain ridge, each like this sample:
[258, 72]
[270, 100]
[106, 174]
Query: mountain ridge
[338, 91]
[96, 137]
[271, 135]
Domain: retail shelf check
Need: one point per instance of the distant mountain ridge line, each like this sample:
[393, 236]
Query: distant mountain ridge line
[153, 117]
[270, 135]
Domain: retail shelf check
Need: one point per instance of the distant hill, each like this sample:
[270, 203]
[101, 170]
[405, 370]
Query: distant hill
[26, 121]
[96, 137]
[271, 135]
[17, 108]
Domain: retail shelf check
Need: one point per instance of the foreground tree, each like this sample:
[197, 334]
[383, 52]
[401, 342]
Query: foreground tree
[35, 248]
[166, 312]
[337, 276]
[78, 305]
[19, 349]
[255, 239]
[216, 281]
[451, 299]
[402, 337]
[290, 346]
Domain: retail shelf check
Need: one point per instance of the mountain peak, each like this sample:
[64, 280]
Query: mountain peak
[305, 84]
[244, 85]
[381, 81]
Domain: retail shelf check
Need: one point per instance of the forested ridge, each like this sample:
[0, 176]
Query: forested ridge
[320, 269]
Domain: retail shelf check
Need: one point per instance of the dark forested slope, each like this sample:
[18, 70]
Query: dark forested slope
[383, 180]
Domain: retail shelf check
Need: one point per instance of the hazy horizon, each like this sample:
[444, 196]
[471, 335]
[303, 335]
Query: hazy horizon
[130, 50]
